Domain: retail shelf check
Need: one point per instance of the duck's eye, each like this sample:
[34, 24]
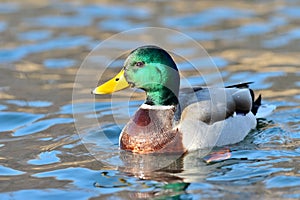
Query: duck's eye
[140, 64]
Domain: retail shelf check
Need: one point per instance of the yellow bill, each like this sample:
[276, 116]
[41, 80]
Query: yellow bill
[115, 84]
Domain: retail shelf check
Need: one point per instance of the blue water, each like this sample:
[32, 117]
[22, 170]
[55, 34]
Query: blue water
[44, 45]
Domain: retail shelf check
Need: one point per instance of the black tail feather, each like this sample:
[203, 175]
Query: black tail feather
[256, 105]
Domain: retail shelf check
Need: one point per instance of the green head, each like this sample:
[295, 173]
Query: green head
[151, 69]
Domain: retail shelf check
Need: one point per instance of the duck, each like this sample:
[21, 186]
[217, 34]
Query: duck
[173, 120]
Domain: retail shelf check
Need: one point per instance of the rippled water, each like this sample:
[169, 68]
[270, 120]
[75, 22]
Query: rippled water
[43, 45]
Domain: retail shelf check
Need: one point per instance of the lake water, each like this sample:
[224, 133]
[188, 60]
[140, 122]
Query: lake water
[49, 147]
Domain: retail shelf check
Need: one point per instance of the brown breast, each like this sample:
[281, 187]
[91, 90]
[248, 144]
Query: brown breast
[151, 131]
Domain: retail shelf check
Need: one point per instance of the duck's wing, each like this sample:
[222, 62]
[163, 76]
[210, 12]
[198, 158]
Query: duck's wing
[215, 104]
[240, 85]
[216, 116]
[256, 103]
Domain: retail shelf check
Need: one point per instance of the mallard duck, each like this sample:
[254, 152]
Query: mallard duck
[173, 121]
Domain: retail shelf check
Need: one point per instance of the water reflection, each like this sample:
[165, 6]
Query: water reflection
[6, 171]
[12, 120]
[34, 35]
[208, 17]
[45, 158]
[42, 125]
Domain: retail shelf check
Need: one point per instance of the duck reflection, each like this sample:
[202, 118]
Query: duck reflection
[172, 172]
